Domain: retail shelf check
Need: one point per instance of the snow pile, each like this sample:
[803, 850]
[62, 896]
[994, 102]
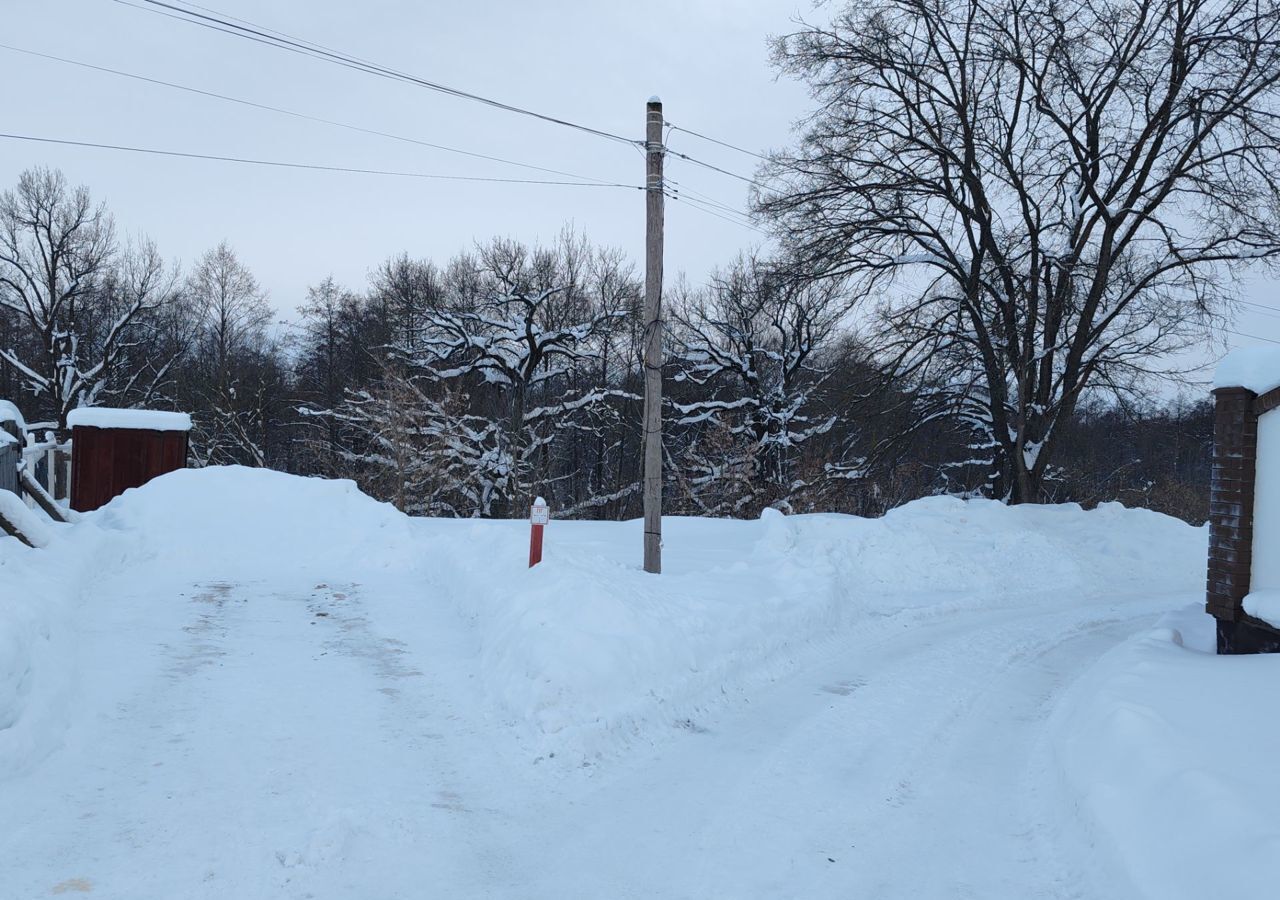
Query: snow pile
[586, 653]
[1254, 368]
[234, 522]
[943, 552]
[263, 685]
[1264, 605]
[184, 528]
[138, 419]
[1172, 752]
[39, 590]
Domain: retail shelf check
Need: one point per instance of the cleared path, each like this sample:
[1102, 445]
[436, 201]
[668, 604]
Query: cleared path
[252, 740]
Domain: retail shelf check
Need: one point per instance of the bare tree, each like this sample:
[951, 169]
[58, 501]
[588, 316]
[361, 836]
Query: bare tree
[231, 306]
[1055, 192]
[753, 346]
[403, 289]
[327, 355]
[236, 365]
[81, 301]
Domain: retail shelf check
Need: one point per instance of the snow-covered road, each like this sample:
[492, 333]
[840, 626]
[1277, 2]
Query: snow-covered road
[896, 768]
[269, 742]
[327, 723]
[257, 742]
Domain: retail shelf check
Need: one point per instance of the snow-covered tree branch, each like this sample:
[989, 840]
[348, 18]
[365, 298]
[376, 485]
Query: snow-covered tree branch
[84, 300]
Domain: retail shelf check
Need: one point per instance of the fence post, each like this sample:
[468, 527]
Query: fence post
[62, 455]
[11, 457]
[539, 515]
[51, 468]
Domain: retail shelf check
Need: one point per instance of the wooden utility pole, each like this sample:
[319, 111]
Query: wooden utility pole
[654, 195]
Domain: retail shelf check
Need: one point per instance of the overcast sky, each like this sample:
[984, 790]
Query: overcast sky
[595, 63]
[590, 62]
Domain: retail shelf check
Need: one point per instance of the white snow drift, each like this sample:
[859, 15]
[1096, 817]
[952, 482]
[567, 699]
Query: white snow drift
[349, 701]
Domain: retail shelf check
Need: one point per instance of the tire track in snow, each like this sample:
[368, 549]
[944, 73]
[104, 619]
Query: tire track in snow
[239, 750]
[911, 764]
[420, 716]
[980, 784]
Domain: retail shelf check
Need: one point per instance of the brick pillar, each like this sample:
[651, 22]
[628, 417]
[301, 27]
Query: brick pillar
[1235, 457]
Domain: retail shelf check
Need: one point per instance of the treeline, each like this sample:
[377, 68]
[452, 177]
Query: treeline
[466, 387]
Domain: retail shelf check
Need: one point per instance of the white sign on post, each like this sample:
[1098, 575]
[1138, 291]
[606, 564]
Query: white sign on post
[540, 513]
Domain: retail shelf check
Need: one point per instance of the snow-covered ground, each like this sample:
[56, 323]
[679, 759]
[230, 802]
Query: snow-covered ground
[241, 684]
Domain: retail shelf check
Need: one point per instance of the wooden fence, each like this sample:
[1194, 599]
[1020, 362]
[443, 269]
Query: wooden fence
[44, 460]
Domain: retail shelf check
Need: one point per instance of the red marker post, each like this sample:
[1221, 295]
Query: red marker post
[539, 515]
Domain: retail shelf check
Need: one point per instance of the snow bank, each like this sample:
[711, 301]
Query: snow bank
[184, 528]
[140, 419]
[39, 590]
[1255, 368]
[980, 551]
[1264, 605]
[235, 522]
[1171, 752]
[586, 653]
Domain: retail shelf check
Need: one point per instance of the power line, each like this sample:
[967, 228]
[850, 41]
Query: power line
[297, 115]
[698, 162]
[725, 213]
[1261, 305]
[717, 141]
[680, 188]
[1263, 312]
[703, 208]
[228, 15]
[247, 29]
[712, 211]
[310, 166]
[692, 204]
[1256, 337]
[280, 40]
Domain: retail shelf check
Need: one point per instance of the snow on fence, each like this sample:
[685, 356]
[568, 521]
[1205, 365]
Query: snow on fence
[17, 450]
[23, 447]
[1243, 585]
[48, 462]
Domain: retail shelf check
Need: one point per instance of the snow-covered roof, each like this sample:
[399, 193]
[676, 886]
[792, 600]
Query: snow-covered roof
[1254, 368]
[9, 413]
[133, 419]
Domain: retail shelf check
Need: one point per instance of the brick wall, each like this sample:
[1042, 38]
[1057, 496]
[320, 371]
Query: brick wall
[1231, 504]
[1235, 455]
